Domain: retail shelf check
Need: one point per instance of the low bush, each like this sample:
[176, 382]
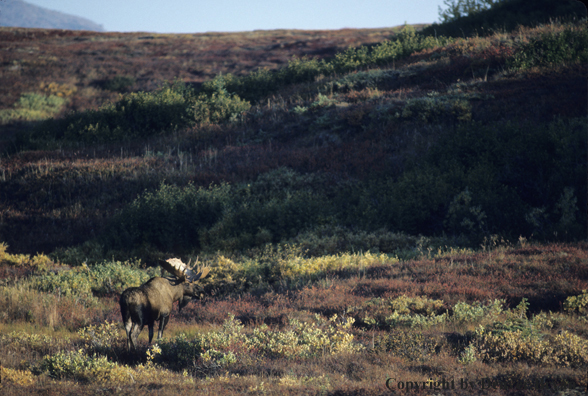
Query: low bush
[118, 83]
[39, 262]
[169, 219]
[80, 366]
[400, 311]
[218, 105]
[36, 342]
[333, 240]
[463, 312]
[567, 47]
[142, 114]
[33, 107]
[410, 345]
[577, 303]
[231, 344]
[99, 279]
[100, 338]
[134, 115]
[279, 267]
[436, 109]
[408, 41]
[565, 349]
[18, 377]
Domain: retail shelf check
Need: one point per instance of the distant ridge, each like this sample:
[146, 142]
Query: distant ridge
[17, 13]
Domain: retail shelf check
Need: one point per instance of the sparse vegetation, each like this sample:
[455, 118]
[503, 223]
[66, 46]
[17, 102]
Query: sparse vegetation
[404, 212]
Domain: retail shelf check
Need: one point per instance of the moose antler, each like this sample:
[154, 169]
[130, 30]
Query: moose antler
[176, 267]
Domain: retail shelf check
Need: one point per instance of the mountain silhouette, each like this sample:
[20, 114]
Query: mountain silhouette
[18, 13]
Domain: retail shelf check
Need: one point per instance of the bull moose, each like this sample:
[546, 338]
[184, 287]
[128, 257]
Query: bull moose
[153, 301]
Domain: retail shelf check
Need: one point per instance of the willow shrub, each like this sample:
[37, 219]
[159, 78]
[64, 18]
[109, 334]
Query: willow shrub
[231, 343]
[99, 279]
[142, 114]
[569, 46]
[219, 217]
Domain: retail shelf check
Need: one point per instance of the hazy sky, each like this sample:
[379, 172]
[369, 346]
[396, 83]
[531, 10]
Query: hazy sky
[196, 16]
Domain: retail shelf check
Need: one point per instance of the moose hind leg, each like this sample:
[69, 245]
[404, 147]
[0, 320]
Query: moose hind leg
[129, 330]
[135, 334]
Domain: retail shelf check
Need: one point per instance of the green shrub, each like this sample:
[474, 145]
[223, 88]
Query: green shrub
[258, 85]
[108, 277]
[435, 109]
[140, 114]
[551, 49]
[118, 83]
[179, 352]
[255, 221]
[401, 311]
[577, 303]
[492, 163]
[363, 79]
[411, 345]
[222, 217]
[463, 312]
[332, 240]
[404, 44]
[564, 349]
[36, 342]
[231, 344]
[134, 115]
[78, 365]
[218, 105]
[100, 338]
[502, 16]
[169, 219]
[33, 107]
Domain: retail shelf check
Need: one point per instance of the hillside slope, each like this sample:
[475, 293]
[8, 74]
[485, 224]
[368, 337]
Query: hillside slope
[467, 138]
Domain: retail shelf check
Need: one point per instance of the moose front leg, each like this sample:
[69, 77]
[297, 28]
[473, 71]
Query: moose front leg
[151, 332]
[162, 324]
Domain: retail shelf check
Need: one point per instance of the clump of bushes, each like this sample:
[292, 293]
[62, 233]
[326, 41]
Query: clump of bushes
[565, 349]
[218, 105]
[33, 107]
[400, 311]
[36, 342]
[473, 181]
[135, 115]
[221, 217]
[99, 279]
[282, 266]
[569, 46]
[577, 303]
[170, 218]
[229, 345]
[434, 109]
[143, 114]
[39, 262]
[118, 83]
[257, 85]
